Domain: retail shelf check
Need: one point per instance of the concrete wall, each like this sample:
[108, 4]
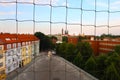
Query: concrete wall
[85, 75]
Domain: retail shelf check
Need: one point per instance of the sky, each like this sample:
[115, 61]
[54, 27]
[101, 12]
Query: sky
[58, 16]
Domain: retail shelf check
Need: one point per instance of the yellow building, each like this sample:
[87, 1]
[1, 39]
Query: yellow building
[2, 63]
[26, 53]
[16, 50]
[29, 52]
[24, 62]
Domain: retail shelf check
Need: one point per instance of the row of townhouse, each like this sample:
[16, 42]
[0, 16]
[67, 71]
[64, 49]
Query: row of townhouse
[16, 50]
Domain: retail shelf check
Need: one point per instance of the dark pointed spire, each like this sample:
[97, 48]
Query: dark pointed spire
[62, 31]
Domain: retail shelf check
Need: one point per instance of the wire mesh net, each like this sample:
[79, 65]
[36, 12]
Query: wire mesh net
[50, 16]
[92, 14]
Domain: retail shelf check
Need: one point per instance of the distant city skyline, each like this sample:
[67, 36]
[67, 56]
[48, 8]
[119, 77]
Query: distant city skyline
[42, 13]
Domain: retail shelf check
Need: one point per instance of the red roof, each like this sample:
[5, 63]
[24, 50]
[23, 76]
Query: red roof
[15, 38]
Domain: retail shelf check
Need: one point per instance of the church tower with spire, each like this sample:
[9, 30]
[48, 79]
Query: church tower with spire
[62, 31]
[66, 32]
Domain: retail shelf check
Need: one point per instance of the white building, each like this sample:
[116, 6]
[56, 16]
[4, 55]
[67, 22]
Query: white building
[19, 50]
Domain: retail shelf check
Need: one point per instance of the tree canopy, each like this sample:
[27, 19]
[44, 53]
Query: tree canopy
[65, 39]
[103, 66]
[117, 49]
[45, 41]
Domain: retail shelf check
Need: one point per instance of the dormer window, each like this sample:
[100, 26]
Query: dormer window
[14, 39]
[7, 39]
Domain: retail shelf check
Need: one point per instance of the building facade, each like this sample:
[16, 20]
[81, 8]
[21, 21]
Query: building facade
[73, 39]
[101, 46]
[2, 62]
[16, 50]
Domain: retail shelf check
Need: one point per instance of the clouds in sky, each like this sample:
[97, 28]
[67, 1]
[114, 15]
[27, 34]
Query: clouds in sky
[42, 13]
[114, 4]
[11, 13]
[64, 4]
[31, 1]
[102, 4]
[40, 1]
[53, 2]
[6, 4]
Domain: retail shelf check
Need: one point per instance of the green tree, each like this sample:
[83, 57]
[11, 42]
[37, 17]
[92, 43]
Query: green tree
[109, 35]
[45, 42]
[65, 39]
[101, 65]
[91, 65]
[80, 38]
[70, 51]
[53, 37]
[85, 49]
[117, 49]
[53, 42]
[111, 73]
[106, 35]
[114, 58]
[61, 49]
[78, 61]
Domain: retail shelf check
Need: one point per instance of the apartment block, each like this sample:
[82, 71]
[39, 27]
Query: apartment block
[2, 62]
[16, 50]
[101, 46]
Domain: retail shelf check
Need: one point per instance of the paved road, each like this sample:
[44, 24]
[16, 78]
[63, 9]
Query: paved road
[54, 68]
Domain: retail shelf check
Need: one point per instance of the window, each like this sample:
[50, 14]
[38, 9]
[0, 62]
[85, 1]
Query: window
[8, 53]
[2, 72]
[13, 59]
[29, 43]
[19, 56]
[13, 52]
[26, 48]
[1, 56]
[14, 45]
[9, 61]
[8, 46]
[19, 44]
[26, 43]
[1, 64]
[18, 50]
[9, 68]
[23, 43]
[1, 47]
[14, 38]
